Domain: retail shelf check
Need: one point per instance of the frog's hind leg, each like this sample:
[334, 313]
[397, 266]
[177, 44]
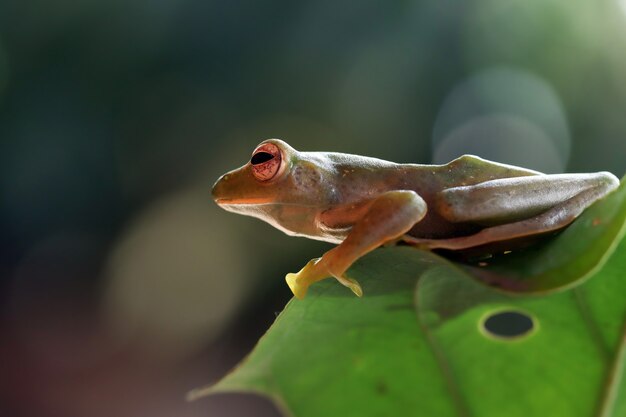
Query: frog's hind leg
[508, 200]
[535, 193]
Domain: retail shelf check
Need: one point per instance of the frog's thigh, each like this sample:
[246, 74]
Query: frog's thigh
[553, 219]
[508, 200]
[388, 217]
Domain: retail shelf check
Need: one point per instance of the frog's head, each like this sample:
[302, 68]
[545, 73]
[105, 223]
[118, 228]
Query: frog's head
[275, 175]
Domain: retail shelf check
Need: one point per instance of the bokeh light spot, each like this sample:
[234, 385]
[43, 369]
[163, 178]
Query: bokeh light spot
[513, 100]
[501, 138]
[175, 278]
[622, 5]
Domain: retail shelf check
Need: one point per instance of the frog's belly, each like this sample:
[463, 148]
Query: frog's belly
[434, 226]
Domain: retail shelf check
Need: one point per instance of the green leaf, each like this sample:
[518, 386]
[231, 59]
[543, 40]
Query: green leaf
[417, 343]
[565, 260]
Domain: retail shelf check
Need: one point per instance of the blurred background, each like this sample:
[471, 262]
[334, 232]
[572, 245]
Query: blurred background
[122, 285]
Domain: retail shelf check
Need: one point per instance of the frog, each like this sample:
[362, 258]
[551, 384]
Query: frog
[361, 203]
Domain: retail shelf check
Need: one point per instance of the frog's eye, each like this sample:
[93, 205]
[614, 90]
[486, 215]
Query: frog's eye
[261, 157]
[266, 162]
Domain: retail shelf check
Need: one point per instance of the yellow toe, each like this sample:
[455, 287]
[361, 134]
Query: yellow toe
[355, 287]
[351, 283]
[298, 289]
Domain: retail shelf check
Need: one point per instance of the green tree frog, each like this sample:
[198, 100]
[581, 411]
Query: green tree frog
[361, 203]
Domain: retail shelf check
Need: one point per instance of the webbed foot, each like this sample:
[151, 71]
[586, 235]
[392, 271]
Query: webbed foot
[299, 282]
[315, 271]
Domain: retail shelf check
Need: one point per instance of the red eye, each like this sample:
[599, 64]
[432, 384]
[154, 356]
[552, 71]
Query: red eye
[265, 162]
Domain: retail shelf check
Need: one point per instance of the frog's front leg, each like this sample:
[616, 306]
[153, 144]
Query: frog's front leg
[384, 218]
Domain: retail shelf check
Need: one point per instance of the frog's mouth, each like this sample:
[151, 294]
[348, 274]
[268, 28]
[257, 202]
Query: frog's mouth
[223, 196]
[261, 209]
[241, 201]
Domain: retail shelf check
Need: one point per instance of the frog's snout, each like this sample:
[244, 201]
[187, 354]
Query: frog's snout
[216, 189]
[237, 188]
[222, 189]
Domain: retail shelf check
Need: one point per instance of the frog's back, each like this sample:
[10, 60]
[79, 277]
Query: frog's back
[470, 170]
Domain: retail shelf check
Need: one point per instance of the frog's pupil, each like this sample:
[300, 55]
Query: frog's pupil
[260, 157]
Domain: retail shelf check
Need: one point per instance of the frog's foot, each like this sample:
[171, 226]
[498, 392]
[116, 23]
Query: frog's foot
[300, 281]
[315, 271]
[298, 289]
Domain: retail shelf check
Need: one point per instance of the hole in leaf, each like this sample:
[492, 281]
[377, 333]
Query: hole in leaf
[508, 324]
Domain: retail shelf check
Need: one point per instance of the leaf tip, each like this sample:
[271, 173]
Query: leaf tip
[198, 393]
